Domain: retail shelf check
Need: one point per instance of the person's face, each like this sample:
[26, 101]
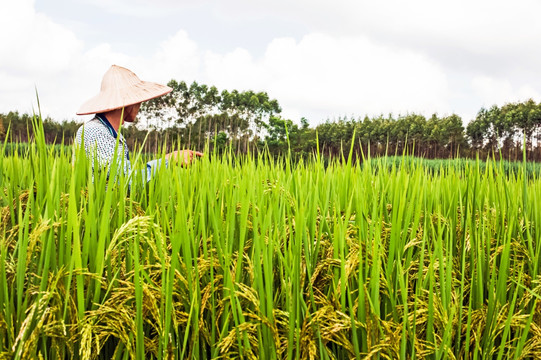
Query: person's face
[130, 112]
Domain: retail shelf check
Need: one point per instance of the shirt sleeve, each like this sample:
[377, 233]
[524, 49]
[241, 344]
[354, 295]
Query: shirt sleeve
[152, 167]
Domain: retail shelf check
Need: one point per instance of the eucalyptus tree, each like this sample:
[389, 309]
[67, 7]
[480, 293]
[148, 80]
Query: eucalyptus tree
[524, 117]
[201, 111]
[284, 137]
[453, 134]
[479, 129]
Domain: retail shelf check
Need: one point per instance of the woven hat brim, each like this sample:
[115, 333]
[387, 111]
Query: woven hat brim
[119, 98]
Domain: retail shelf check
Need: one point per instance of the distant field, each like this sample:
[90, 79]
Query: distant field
[433, 165]
[532, 169]
[22, 148]
[387, 258]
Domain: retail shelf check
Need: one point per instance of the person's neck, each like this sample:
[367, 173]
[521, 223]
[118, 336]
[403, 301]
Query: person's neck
[115, 118]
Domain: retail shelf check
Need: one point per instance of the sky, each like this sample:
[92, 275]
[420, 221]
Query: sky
[320, 59]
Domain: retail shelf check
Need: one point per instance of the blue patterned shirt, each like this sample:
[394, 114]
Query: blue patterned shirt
[100, 141]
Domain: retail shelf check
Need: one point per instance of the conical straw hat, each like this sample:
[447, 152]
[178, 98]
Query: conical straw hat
[119, 88]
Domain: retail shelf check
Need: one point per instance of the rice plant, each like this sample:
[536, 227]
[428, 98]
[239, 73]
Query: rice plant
[248, 257]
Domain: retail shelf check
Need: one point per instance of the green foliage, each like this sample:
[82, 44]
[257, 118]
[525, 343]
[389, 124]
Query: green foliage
[267, 261]
[285, 137]
[22, 149]
[437, 137]
[532, 170]
[504, 128]
[20, 128]
[242, 257]
[198, 112]
[249, 121]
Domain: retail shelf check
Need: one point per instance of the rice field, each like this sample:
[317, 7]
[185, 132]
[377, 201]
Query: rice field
[244, 257]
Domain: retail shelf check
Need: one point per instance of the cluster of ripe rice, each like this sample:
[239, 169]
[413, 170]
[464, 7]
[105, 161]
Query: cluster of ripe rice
[248, 257]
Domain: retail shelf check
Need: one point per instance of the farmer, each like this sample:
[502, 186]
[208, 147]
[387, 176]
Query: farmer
[119, 100]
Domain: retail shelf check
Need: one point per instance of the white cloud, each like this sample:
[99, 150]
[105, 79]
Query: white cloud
[31, 42]
[486, 36]
[320, 76]
[177, 57]
[142, 8]
[393, 56]
[327, 76]
[495, 91]
[34, 51]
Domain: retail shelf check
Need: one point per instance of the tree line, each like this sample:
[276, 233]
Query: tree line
[250, 121]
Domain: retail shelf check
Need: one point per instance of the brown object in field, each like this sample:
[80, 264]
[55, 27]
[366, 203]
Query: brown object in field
[120, 87]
